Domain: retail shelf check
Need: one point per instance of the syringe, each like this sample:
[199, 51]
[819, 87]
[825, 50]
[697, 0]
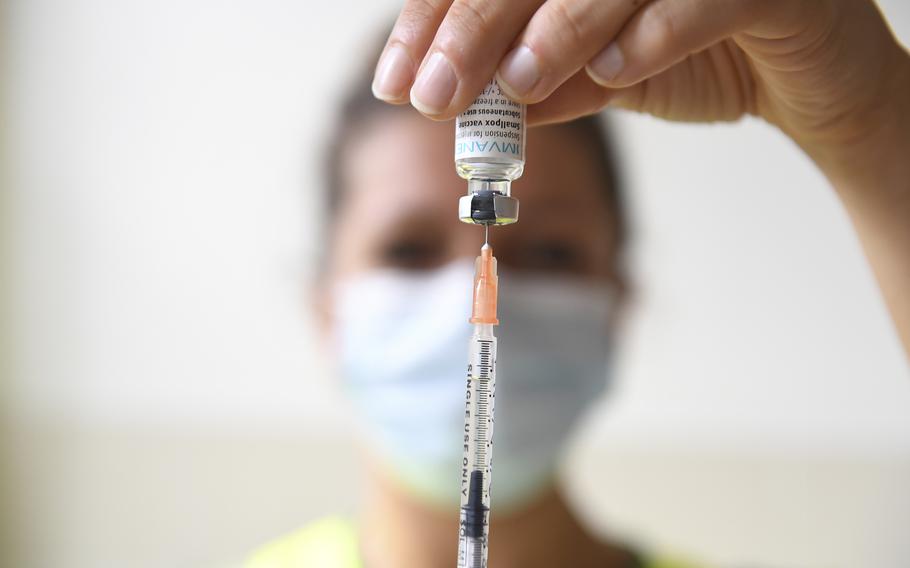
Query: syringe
[490, 154]
[478, 426]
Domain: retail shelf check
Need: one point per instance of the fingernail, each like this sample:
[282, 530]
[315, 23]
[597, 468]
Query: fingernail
[606, 65]
[435, 85]
[520, 71]
[393, 74]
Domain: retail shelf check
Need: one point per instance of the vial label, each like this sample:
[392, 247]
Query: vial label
[492, 127]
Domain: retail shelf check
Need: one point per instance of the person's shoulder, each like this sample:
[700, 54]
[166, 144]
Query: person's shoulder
[327, 543]
[332, 543]
[666, 562]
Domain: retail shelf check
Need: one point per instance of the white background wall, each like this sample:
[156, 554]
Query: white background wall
[165, 199]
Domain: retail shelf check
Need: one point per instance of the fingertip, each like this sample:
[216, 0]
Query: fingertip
[510, 92]
[597, 78]
[430, 112]
[606, 67]
[519, 75]
[394, 75]
[576, 97]
[386, 98]
[435, 86]
[422, 108]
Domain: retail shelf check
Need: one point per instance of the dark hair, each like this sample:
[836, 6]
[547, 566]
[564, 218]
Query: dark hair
[359, 106]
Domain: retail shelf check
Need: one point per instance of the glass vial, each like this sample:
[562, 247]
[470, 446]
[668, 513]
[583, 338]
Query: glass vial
[490, 153]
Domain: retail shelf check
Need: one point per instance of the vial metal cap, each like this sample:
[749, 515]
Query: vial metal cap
[488, 208]
[488, 203]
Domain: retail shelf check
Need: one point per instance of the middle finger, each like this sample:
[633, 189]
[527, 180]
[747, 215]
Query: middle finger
[468, 47]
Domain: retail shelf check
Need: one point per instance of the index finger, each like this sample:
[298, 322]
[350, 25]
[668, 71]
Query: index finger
[404, 50]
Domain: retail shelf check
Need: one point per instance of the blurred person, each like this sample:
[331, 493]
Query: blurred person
[396, 279]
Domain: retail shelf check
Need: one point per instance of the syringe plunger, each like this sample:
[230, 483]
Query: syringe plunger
[475, 511]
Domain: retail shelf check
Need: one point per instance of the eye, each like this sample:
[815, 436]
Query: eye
[552, 256]
[410, 254]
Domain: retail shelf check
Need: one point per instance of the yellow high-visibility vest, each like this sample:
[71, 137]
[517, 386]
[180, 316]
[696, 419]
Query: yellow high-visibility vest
[332, 543]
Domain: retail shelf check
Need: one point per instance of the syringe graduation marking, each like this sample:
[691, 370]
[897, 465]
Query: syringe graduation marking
[481, 416]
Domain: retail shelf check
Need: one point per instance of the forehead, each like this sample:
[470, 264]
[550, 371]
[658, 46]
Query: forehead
[402, 159]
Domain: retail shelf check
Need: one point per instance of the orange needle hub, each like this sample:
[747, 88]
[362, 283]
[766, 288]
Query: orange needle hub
[486, 285]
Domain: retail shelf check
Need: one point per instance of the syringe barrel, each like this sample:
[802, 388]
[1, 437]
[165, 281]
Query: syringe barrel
[479, 403]
[476, 471]
[473, 553]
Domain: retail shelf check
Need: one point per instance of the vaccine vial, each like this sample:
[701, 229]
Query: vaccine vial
[490, 154]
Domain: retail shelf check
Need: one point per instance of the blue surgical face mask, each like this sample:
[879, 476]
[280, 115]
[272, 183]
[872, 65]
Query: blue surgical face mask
[402, 339]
